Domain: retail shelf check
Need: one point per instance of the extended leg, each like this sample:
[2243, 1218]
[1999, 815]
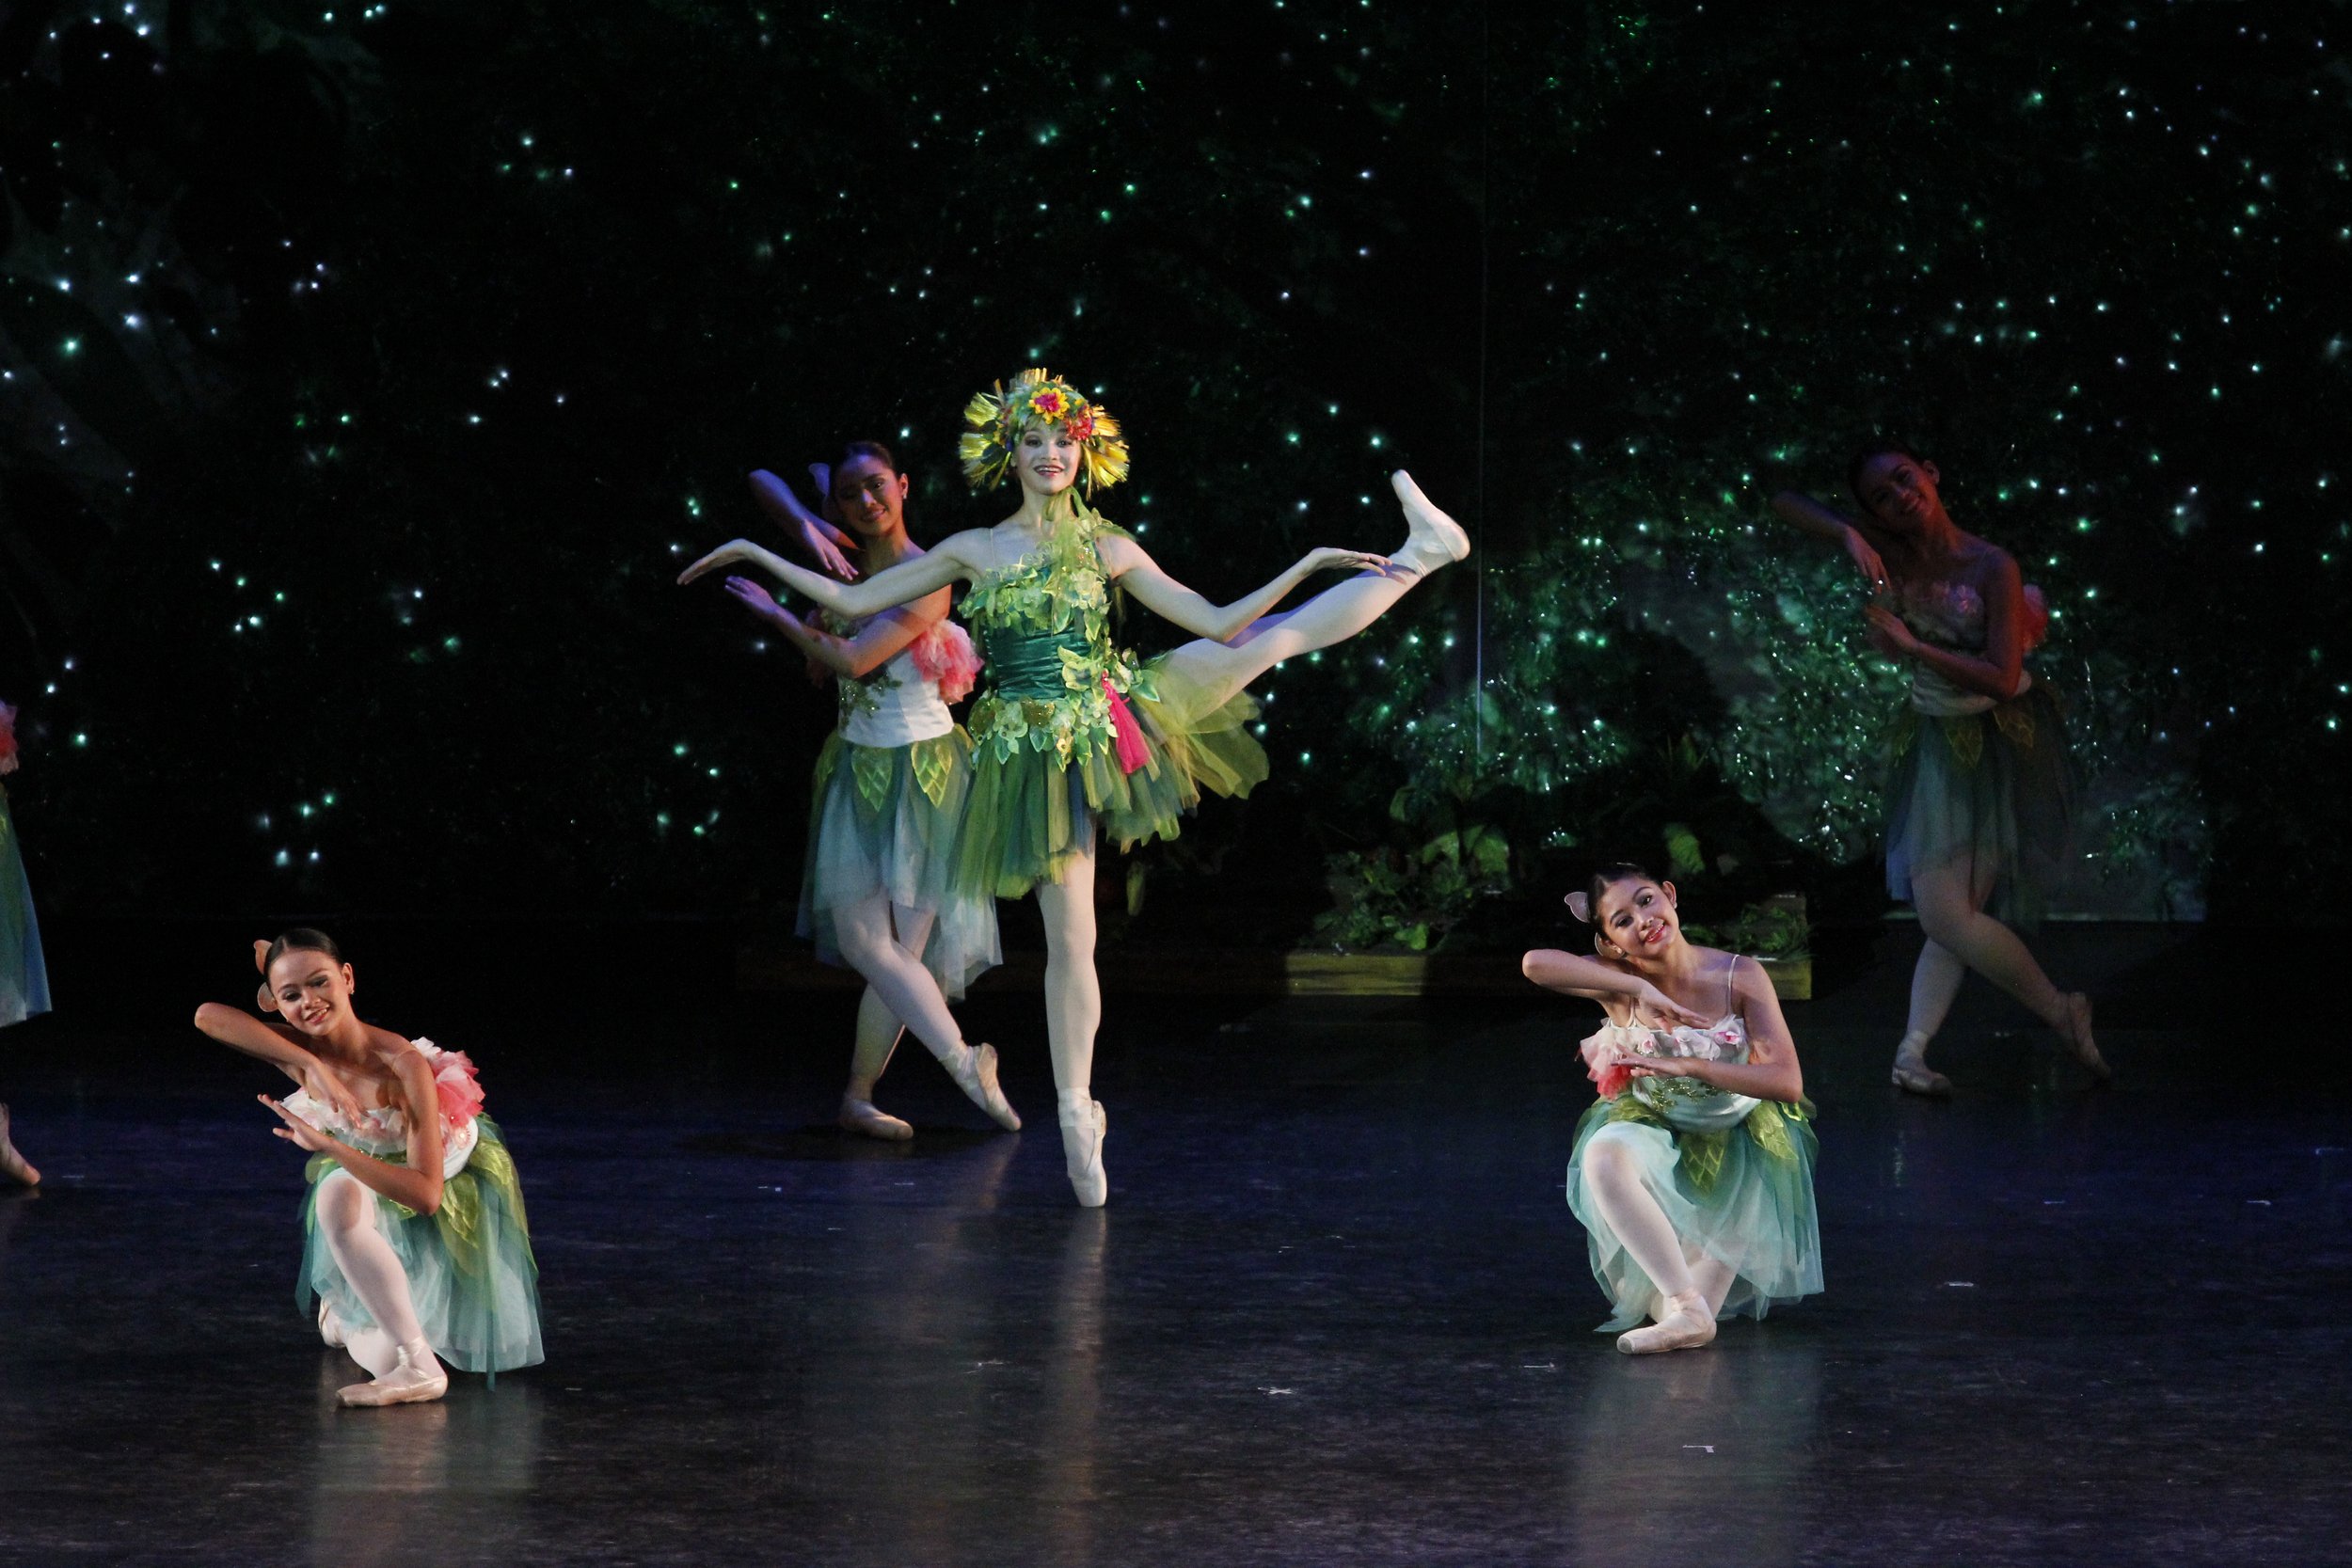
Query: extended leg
[1334, 615]
[394, 1351]
[1073, 1011]
[1951, 911]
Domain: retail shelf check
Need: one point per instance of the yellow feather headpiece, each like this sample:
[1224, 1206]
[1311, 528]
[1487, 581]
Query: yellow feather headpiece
[998, 419]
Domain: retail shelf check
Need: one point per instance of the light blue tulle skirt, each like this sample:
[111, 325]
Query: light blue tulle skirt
[888, 820]
[1991, 791]
[1741, 1195]
[470, 1272]
[23, 976]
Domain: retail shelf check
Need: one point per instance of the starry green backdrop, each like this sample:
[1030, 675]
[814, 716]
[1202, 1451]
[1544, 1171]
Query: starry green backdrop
[369, 372]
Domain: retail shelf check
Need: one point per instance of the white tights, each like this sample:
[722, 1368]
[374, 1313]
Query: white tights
[883, 941]
[346, 1214]
[1613, 1177]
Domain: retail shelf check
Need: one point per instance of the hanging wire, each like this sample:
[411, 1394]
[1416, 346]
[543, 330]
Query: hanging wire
[1478, 622]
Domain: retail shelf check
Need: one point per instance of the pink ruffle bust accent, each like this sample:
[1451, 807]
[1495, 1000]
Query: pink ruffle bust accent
[2036, 617]
[454, 1083]
[1125, 731]
[1606, 1062]
[944, 654]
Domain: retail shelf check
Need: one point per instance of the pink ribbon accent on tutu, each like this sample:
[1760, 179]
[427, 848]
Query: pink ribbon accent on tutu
[1132, 752]
[944, 654]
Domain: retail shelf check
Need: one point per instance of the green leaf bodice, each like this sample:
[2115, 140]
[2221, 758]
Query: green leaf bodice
[1043, 628]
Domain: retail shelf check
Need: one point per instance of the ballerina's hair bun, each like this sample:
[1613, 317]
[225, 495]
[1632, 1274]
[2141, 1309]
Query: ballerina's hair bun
[302, 939]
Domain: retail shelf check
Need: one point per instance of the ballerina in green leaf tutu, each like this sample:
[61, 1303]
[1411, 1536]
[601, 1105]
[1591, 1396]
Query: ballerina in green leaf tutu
[1073, 738]
[1694, 1171]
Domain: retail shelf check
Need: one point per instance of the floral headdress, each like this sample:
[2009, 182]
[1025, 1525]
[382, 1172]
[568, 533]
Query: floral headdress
[1039, 397]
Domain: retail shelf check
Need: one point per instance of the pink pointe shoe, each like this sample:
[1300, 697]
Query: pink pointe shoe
[1432, 539]
[860, 1116]
[330, 1326]
[1687, 1325]
[975, 1074]
[1082, 1132]
[417, 1378]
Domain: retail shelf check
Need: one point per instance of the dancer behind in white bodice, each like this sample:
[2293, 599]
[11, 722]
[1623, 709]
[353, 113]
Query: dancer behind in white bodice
[887, 801]
[1981, 800]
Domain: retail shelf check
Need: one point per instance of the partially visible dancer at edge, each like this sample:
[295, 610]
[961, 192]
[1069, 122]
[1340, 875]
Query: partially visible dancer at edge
[888, 797]
[1694, 1170]
[24, 975]
[1981, 800]
[1077, 737]
[415, 1246]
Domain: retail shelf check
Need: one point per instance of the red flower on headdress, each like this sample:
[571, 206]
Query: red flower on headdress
[1081, 425]
[1049, 402]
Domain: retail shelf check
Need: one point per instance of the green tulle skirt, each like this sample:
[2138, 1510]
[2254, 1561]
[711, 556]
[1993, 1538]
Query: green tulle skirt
[23, 972]
[1742, 1196]
[1993, 791]
[887, 819]
[471, 1271]
[1031, 811]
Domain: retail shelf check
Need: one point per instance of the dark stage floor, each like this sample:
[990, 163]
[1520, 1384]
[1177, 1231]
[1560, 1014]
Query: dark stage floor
[1336, 1311]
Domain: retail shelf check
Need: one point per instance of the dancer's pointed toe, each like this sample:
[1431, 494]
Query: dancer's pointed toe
[1432, 539]
[1082, 1132]
[14, 1166]
[330, 1326]
[2074, 1039]
[975, 1074]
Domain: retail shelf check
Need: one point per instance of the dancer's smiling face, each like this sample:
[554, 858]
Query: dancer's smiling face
[1899, 491]
[1637, 917]
[1048, 458]
[871, 496]
[312, 989]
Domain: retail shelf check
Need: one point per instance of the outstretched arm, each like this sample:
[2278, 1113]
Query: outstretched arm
[876, 643]
[1163, 595]
[887, 590]
[1811, 516]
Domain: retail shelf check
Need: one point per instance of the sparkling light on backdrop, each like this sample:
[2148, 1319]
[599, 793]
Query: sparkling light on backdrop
[369, 372]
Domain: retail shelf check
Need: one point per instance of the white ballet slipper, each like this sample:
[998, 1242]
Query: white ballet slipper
[14, 1165]
[417, 1378]
[1432, 539]
[859, 1115]
[975, 1074]
[330, 1326]
[1687, 1323]
[1082, 1132]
